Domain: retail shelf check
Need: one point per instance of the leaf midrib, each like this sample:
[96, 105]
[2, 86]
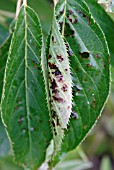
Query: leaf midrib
[26, 84]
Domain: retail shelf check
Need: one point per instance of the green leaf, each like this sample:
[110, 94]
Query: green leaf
[3, 33]
[60, 84]
[89, 60]
[105, 22]
[3, 58]
[24, 108]
[4, 141]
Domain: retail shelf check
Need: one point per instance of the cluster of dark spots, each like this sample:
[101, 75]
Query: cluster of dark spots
[20, 121]
[70, 53]
[84, 54]
[72, 17]
[53, 113]
[60, 78]
[64, 88]
[60, 26]
[40, 121]
[74, 115]
[49, 56]
[58, 99]
[53, 84]
[57, 72]
[56, 91]
[85, 16]
[97, 56]
[60, 58]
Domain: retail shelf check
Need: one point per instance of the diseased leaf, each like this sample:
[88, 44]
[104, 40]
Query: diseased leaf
[24, 109]
[105, 22]
[89, 60]
[60, 84]
[108, 3]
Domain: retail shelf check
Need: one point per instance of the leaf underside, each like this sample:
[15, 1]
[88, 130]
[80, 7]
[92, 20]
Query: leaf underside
[60, 85]
[89, 61]
[24, 108]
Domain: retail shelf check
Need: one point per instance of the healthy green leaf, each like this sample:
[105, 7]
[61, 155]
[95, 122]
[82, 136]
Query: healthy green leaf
[24, 108]
[60, 84]
[89, 60]
[105, 22]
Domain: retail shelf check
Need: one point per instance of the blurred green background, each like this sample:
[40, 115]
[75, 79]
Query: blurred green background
[97, 151]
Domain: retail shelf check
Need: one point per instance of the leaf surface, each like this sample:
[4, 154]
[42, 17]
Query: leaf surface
[3, 58]
[89, 59]
[60, 84]
[24, 108]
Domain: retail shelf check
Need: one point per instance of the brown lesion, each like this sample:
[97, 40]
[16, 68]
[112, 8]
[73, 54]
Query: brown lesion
[64, 88]
[60, 58]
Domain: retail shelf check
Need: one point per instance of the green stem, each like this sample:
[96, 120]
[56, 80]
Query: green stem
[25, 2]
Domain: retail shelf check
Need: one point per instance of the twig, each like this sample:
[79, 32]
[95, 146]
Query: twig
[55, 2]
[19, 2]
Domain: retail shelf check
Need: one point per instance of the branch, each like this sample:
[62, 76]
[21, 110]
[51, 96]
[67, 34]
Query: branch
[19, 2]
[55, 2]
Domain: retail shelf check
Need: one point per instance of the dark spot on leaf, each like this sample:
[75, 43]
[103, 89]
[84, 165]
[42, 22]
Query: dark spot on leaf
[75, 21]
[60, 58]
[53, 84]
[58, 124]
[56, 91]
[74, 115]
[97, 56]
[52, 38]
[58, 99]
[84, 55]
[61, 12]
[64, 88]
[50, 56]
[20, 121]
[68, 126]
[89, 65]
[53, 124]
[104, 65]
[70, 12]
[53, 113]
